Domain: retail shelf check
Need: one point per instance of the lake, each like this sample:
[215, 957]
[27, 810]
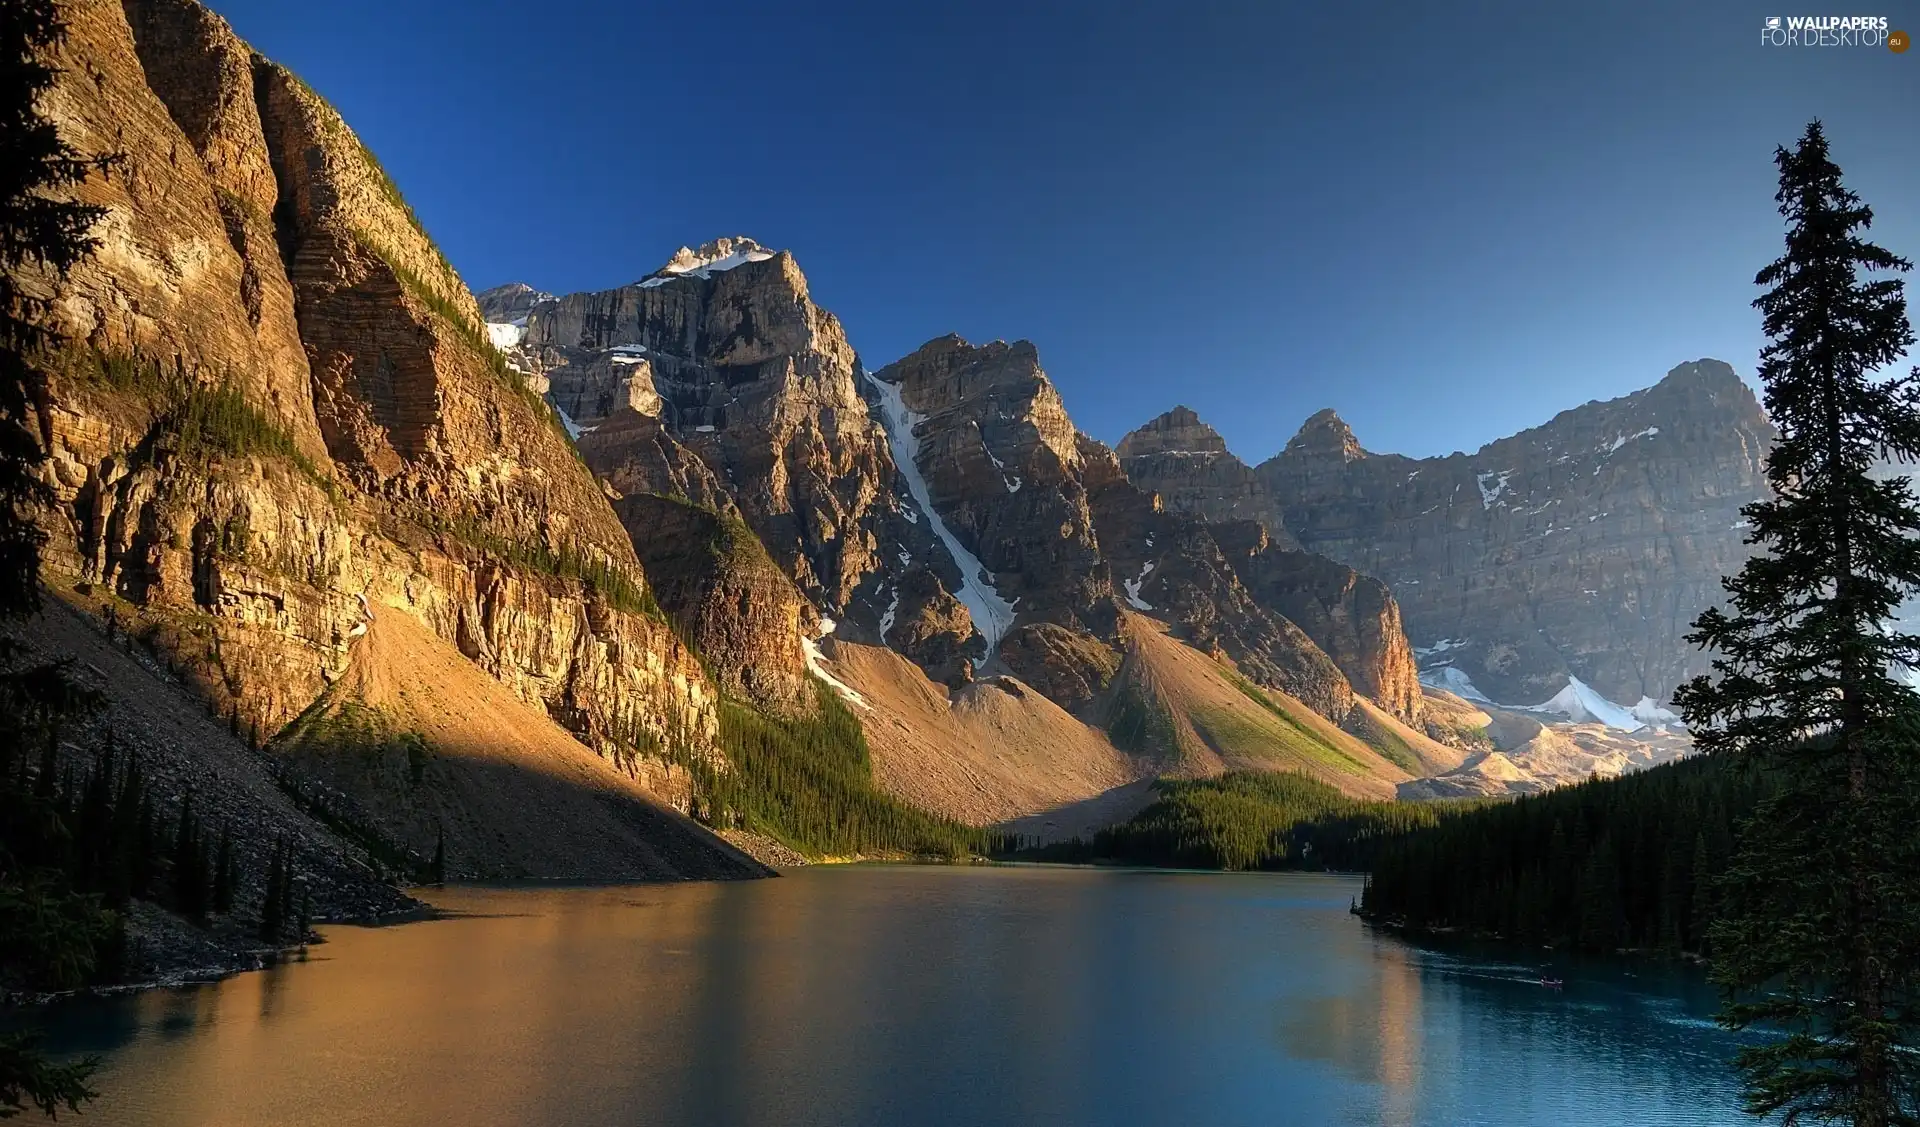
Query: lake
[905, 995]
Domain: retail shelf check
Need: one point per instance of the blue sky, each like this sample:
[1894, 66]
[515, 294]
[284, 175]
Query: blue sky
[1448, 225]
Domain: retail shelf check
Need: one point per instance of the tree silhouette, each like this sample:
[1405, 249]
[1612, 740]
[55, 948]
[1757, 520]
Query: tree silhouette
[1819, 917]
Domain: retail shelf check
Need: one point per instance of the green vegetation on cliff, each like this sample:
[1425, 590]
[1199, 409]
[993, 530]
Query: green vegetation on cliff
[809, 782]
[1140, 723]
[195, 421]
[621, 590]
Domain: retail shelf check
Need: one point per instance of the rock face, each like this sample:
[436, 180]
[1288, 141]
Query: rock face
[510, 304]
[718, 379]
[741, 611]
[751, 376]
[1352, 617]
[1188, 464]
[1001, 462]
[1583, 548]
[282, 416]
[1063, 540]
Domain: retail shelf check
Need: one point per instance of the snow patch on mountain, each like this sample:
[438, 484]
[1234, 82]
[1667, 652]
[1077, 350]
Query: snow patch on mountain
[706, 262]
[1439, 647]
[992, 615]
[1581, 704]
[1647, 712]
[1011, 481]
[574, 430]
[507, 334]
[1133, 588]
[1455, 681]
[816, 664]
[1489, 495]
[1622, 440]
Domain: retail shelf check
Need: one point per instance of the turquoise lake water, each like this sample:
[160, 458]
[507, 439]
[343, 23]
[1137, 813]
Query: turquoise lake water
[896, 995]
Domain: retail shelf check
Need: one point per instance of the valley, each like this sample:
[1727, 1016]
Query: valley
[647, 582]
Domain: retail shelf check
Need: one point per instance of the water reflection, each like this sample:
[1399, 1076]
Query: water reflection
[1370, 1030]
[905, 995]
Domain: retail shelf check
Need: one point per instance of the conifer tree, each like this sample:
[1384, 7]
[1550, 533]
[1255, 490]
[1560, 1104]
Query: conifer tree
[189, 864]
[223, 871]
[283, 909]
[272, 911]
[1819, 914]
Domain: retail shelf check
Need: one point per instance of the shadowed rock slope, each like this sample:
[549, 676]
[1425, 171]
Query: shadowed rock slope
[1188, 464]
[717, 379]
[1069, 544]
[152, 717]
[433, 750]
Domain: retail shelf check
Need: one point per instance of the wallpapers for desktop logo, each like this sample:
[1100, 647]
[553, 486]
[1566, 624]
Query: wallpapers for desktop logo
[1831, 31]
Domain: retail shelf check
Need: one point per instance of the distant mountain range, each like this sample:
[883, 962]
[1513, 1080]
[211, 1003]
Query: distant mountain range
[620, 513]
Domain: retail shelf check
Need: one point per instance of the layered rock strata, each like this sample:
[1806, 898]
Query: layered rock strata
[281, 416]
[1581, 548]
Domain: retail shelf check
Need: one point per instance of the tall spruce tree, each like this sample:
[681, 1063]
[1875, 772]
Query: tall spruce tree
[1819, 912]
[42, 921]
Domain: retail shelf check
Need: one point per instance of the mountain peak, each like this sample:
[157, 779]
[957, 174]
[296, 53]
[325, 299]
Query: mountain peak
[505, 304]
[1706, 373]
[1326, 433]
[709, 258]
[1709, 385]
[1177, 431]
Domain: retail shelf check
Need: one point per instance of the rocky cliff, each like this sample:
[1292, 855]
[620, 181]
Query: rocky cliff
[1581, 548]
[717, 379]
[740, 610]
[282, 417]
[1350, 616]
[1188, 464]
[1063, 541]
[510, 305]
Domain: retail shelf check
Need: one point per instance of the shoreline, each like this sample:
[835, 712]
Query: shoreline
[238, 960]
[1402, 930]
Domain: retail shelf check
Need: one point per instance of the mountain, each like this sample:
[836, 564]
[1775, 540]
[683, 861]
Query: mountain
[534, 576]
[286, 455]
[509, 306]
[1058, 542]
[943, 507]
[1577, 551]
[1188, 464]
[717, 380]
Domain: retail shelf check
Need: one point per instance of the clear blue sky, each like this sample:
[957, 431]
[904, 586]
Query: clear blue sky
[1446, 225]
